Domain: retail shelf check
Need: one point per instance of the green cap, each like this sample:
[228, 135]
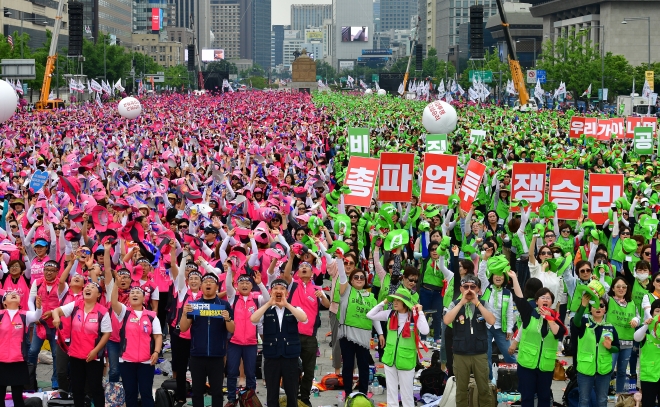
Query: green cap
[338, 245]
[547, 210]
[594, 289]
[314, 224]
[396, 238]
[629, 246]
[499, 265]
[402, 294]
[342, 220]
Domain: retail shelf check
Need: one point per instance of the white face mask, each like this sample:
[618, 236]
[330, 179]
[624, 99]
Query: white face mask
[642, 276]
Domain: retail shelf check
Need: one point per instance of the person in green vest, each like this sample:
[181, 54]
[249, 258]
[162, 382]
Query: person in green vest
[537, 351]
[405, 322]
[622, 313]
[651, 296]
[583, 275]
[640, 288]
[354, 330]
[598, 341]
[649, 365]
[497, 298]
[432, 283]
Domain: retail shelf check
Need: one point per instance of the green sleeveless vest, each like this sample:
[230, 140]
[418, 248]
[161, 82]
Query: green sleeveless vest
[649, 366]
[384, 288]
[593, 357]
[359, 303]
[567, 245]
[400, 352]
[506, 299]
[433, 275]
[536, 351]
[620, 318]
[638, 294]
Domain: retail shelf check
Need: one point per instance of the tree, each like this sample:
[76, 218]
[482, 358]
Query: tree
[222, 66]
[175, 76]
[492, 63]
[257, 82]
[325, 70]
[117, 60]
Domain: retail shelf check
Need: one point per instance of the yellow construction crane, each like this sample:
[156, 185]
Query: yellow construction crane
[44, 103]
[525, 103]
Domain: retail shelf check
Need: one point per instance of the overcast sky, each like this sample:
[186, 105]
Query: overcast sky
[281, 9]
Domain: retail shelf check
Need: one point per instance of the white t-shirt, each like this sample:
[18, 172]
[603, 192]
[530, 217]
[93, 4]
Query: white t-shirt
[155, 326]
[106, 325]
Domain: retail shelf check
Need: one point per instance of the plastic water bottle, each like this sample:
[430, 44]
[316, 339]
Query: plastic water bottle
[494, 367]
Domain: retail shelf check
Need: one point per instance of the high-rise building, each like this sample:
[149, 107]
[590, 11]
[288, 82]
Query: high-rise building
[293, 40]
[35, 23]
[277, 44]
[395, 14]
[164, 52]
[353, 23]
[377, 16]
[255, 31]
[309, 15]
[150, 16]
[444, 18]
[422, 6]
[226, 27]
[194, 14]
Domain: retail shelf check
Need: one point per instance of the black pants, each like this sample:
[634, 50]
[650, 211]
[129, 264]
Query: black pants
[62, 369]
[180, 357]
[349, 352]
[650, 392]
[448, 342]
[16, 396]
[91, 374]
[308, 347]
[202, 368]
[285, 369]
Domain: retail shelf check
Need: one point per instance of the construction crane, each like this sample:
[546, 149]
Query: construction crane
[524, 102]
[44, 103]
[412, 50]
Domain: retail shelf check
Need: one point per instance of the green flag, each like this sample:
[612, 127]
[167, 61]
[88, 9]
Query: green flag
[358, 142]
[477, 136]
[643, 140]
[436, 143]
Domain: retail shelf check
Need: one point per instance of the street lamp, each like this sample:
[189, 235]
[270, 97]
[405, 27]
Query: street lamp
[36, 20]
[648, 20]
[533, 39]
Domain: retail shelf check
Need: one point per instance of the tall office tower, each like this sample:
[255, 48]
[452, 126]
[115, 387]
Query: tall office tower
[309, 15]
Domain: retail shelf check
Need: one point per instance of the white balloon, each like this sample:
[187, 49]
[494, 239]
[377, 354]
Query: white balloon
[8, 101]
[439, 118]
[368, 92]
[129, 107]
[382, 92]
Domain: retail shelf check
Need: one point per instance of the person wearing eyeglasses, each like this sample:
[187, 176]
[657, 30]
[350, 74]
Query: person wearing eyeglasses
[602, 267]
[539, 266]
[622, 313]
[469, 318]
[582, 276]
[354, 330]
[566, 240]
[541, 330]
[598, 342]
[647, 336]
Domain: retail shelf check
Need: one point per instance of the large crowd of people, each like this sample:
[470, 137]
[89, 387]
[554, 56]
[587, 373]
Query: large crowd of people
[212, 224]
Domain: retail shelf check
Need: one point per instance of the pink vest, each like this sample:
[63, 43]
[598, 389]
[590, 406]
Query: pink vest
[37, 268]
[137, 341]
[305, 298]
[65, 330]
[180, 302]
[116, 326]
[12, 334]
[20, 287]
[85, 331]
[245, 332]
[49, 300]
[162, 279]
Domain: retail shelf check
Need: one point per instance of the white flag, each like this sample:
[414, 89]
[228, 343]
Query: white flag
[401, 89]
[646, 90]
[98, 100]
[19, 87]
[52, 95]
[538, 91]
[377, 87]
[587, 92]
[448, 97]
[561, 90]
[441, 88]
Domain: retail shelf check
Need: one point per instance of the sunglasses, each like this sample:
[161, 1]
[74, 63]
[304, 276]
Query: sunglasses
[565, 231]
[359, 277]
[625, 233]
[647, 253]
[14, 226]
[469, 286]
[353, 216]
[621, 286]
[275, 220]
[349, 263]
[550, 235]
[587, 270]
[657, 280]
[412, 280]
[183, 226]
[598, 306]
[545, 252]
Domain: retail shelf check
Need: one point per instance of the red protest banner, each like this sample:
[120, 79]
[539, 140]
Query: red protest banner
[396, 177]
[603, 190]
[577, 127]
[618, 127]
[470, 185]
[631, 123]
[604, 132]
[439, 178]
[566, 187]
[361, 179]
[528, 183]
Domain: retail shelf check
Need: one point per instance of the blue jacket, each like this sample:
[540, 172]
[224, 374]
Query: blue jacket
[208, 335]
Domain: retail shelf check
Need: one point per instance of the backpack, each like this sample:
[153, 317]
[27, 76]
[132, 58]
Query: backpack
[433, 380]
[163, 398]
[357, 399]
[332, 382]
[114, 394]
[248, 398]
